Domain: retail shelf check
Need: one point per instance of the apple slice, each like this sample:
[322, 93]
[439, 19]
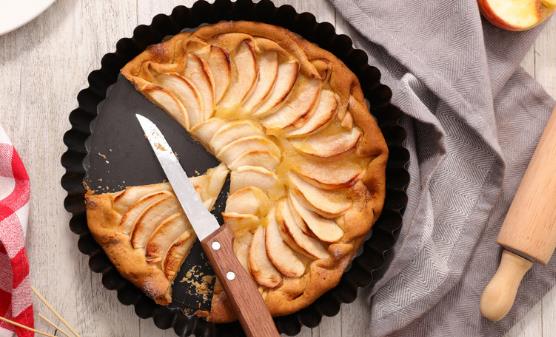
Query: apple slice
[254, 176]
[551, 4]
[164, 235]
[324, 229]
[241, 222]
[303, 99]
[268, 70]
[177, 253]
[264, 158]
[281, 256]
[244, 76]
[186, 93]
[133, 194]
[513, 15]
[217, 178]
[288, 223]
[285, 79]
[221, 71]
[260, 266]
[329, 204]
[241, 248]
[328, 174]
[151, 218]
[128, 221]
[205, 130]
[198, 73]
[248, 200]
[235, 149]
[233, 131]
[169, 103]
[319, 117]
[327, 144]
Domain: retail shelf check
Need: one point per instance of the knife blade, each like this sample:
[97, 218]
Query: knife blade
[216, 241]
[203, 222]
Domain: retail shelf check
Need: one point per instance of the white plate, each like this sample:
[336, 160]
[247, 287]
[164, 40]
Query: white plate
[16, 13]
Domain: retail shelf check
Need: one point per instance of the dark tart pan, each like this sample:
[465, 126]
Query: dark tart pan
[106, 152]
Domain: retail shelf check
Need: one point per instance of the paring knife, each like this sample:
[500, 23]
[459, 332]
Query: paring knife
[216, 241]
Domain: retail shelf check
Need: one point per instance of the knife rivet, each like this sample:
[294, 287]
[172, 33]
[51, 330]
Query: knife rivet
[215, 245]
[231, 276]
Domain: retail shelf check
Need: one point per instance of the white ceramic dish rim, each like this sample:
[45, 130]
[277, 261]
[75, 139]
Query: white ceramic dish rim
[14, 14]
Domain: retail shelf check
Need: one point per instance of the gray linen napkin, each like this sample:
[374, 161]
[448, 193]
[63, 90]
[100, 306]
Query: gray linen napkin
[474, 119]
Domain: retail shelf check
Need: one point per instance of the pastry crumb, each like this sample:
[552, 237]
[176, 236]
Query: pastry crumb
[200, 283]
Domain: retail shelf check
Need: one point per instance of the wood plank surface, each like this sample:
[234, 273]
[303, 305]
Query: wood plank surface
[43, 65]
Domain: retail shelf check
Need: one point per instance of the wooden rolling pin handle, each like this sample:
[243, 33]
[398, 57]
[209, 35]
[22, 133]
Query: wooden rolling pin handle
[499, 295]
[528, 233]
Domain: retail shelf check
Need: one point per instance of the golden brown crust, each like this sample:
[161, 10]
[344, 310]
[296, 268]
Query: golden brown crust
[150, 261]
[366, 193]
[103, 222]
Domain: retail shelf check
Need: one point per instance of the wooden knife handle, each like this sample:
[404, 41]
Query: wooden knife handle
[238, 285]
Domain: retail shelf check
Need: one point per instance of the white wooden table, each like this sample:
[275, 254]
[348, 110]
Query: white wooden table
[42, 68]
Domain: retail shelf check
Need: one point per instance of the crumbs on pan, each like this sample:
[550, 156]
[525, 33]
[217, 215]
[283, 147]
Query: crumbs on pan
[103, 156]
[198, 284]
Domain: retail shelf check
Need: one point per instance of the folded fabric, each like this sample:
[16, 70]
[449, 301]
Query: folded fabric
[473, 120]
[16, 301]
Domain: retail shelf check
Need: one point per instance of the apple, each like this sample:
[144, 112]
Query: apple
[549, 3]
[515, 15]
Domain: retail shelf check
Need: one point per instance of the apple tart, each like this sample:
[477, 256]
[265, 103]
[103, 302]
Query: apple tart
[306, 158]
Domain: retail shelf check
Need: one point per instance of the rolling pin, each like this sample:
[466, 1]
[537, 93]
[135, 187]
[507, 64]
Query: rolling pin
[528, 234]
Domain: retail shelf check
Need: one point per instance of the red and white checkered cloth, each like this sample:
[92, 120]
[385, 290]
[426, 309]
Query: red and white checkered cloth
[16, 302]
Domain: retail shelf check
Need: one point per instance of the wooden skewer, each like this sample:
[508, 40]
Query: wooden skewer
[49, 322]
[49, 306]
[4, 319]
